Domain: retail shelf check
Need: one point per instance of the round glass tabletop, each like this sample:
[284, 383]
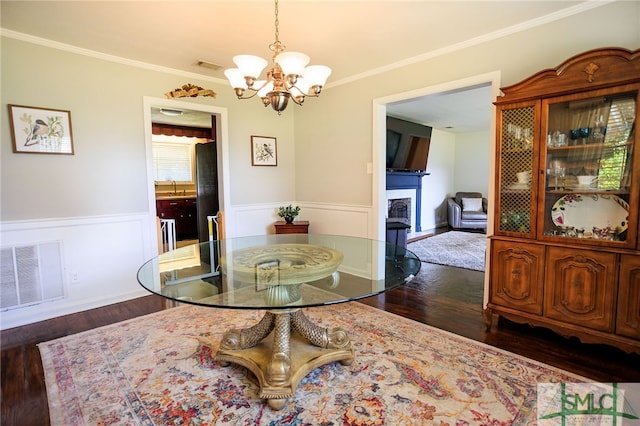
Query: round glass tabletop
[278, 271]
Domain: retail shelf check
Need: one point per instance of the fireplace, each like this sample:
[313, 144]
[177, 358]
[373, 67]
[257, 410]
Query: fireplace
[399, 209]
[405, 186]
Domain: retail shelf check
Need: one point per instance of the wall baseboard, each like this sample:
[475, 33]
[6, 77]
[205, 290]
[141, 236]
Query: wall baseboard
[48, 310]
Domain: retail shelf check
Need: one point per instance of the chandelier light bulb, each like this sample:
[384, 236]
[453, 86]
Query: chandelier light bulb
[250, 66]
[292, 63]
[300, 90]
[316, 75]
[236, 79]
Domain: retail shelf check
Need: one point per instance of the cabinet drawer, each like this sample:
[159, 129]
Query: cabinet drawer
[581, 287]
[168, 209]
[300, 227]
[517, 275]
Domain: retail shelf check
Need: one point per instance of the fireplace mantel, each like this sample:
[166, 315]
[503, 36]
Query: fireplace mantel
[408, 180]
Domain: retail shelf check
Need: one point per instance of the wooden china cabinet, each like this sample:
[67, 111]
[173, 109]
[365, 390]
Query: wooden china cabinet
[565, 253]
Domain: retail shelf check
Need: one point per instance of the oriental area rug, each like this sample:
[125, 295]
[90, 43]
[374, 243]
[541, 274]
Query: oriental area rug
[159, 370]
[454, 248]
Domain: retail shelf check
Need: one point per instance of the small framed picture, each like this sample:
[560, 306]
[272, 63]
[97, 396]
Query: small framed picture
[264, 151]
[267, 274]
[37, 130]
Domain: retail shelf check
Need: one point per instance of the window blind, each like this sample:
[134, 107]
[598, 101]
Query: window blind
[172, 161]
[615, 165]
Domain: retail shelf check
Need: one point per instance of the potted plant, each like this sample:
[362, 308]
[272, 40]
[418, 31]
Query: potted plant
[288, 213]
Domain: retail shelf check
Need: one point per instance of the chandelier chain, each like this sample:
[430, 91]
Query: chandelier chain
[277, 22]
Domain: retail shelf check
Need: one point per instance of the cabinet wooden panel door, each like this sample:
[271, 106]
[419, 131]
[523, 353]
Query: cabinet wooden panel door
[184, 211]
[581, 287]
[188, 219]
[517, 282]
[628, 321]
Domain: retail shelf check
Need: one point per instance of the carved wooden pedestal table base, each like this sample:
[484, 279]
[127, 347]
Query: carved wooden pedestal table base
[297, 346]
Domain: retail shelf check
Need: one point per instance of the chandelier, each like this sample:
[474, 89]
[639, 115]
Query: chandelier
[288, 78]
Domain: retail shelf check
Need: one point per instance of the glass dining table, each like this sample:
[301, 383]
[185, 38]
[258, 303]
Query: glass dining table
[280, 275]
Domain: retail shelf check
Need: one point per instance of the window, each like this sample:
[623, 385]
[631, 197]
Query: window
[173, 158]
[615, 163]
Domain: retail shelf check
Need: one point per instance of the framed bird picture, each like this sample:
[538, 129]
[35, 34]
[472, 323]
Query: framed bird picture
[264, 151]
[37, 130]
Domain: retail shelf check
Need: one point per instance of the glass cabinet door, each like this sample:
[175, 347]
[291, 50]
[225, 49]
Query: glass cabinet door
[589, 174]
[518, 158]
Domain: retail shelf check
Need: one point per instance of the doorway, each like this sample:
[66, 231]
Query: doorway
[379, 145]
[382, 106]
[222, 144]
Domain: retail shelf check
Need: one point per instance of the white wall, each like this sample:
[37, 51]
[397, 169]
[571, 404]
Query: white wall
[472, 160]
[96, 202]
[440, 183]
[107, 174]
[81, 199]
[334, 136]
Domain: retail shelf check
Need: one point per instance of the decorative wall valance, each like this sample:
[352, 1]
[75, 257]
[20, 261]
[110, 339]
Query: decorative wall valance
[174, 130]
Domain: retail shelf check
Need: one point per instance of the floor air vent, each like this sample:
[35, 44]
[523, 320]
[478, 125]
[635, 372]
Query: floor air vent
[30, 274]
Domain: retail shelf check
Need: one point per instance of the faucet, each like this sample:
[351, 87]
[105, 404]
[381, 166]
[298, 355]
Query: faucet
[175, 191]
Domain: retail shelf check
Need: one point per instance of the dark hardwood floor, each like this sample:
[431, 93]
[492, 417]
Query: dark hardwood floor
[441, 296]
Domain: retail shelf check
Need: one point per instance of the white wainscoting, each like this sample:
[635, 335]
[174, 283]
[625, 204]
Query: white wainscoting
[254, 219]
[336, 219]
[354, 221]
[100, 256]
[326, 219]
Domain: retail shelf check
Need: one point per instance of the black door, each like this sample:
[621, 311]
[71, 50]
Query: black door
[206, 187]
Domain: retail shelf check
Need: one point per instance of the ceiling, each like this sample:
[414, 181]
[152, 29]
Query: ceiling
[457, 111]
[355, 38]
[184, 117]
